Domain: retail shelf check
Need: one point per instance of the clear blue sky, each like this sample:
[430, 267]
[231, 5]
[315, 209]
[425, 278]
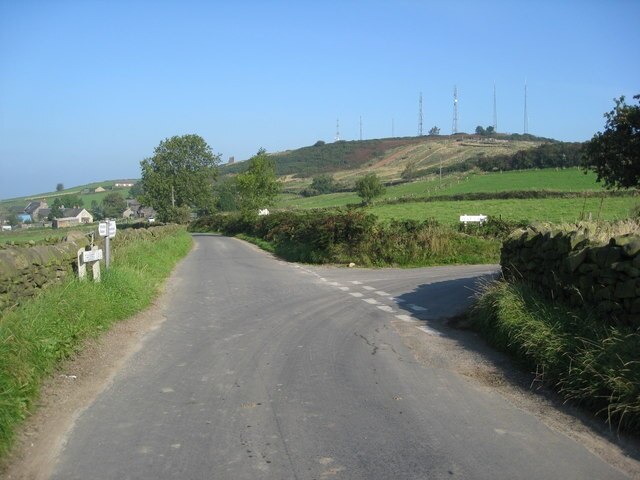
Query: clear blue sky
[89, 88]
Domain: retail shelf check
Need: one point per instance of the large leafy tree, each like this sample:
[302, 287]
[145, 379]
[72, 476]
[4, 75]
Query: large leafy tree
[369, 187]
[615, 153]
[179, 175]
[257, 187]
[113, 205]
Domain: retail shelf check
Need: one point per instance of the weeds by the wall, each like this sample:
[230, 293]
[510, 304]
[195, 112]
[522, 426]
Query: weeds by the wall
[36, 336]
[586, 361]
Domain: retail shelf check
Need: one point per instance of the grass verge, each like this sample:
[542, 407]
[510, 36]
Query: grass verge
[36, 336]
[586, 361]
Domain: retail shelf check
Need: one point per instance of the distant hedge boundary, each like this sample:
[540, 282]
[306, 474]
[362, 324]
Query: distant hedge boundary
[345, 236]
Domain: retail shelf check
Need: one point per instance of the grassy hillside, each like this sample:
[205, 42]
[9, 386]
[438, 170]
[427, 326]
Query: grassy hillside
[50, 196]
[388, 157]
[567, 180]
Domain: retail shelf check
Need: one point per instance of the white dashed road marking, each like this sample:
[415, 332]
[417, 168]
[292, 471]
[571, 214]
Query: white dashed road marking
[355, 282]
[366, 287]
[356, 294]
[335, 284]
[372, 301]
[406, 318]
[344, 289]
[417, 308]
[429, 331]
[381, 293]
[385, 308]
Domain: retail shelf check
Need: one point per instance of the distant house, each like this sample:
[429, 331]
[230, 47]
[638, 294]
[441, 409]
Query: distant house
[129, 213]
[34, 208]
[124, 183]
[71, 217]
[133, 204]
[99, 189]
[146, 212]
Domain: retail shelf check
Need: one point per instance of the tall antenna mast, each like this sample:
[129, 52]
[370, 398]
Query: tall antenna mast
[420, 116]
[360, 127]
[454, 128]
[526, 115]
[337, 129]
[495, 109]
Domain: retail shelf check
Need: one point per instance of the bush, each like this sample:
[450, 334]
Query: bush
[343, 236]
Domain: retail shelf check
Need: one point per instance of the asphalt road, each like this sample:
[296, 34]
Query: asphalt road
[269, 370]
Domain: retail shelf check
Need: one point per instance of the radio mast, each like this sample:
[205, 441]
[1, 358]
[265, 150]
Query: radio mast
[454, 127]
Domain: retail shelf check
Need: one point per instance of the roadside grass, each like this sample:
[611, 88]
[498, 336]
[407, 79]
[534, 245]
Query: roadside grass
[557, 210]
[36, 336]
[587, 362]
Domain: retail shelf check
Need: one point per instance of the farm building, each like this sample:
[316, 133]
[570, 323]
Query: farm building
[99, 190]
[34, 208]
[72, 216]
[124, 183]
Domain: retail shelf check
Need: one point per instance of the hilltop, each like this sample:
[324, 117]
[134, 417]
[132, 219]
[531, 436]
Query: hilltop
[389, 157]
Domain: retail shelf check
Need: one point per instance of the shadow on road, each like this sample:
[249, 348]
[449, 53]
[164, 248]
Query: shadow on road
[445, 307]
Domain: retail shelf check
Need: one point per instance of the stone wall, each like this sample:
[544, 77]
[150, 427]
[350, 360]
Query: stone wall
[24, 271]
[567, 265]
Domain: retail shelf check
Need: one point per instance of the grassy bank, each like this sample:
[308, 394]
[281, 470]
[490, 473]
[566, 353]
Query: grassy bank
[35, 337]
[586, 361]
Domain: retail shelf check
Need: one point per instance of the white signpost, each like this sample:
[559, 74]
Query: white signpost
[107, 229]
[89, 257]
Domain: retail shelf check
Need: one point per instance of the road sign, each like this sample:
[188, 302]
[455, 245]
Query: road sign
[112, 228]
[102, 229]
[91, 255]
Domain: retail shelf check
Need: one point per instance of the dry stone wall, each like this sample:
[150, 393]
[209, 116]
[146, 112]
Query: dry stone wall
[567, 265]
[24, 271]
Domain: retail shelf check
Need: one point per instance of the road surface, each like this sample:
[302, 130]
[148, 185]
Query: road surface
[270, 370]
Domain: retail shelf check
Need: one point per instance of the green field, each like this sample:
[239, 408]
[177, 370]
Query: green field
[531, 210]
[568, 180]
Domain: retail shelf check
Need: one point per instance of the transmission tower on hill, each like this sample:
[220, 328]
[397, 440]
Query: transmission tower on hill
[526, 115]
[337, 129]
[495, 109]
[454, 127]
[420, 116]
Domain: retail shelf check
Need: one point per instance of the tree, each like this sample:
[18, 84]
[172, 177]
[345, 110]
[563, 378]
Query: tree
[434, 131]
[480, 130]
[113, 204]
[96, 210]
[490, 130]
[226, 193]
[136, 191]
[59, 187]
[257, 186]
[71, 201]
[56, 209]
[324, 184]
[180, 173]
[369, 187]
[615, 153]
[410, 170]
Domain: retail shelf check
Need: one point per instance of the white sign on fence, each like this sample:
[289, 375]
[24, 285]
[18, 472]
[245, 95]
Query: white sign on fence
[473, 219]
[102, 229]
